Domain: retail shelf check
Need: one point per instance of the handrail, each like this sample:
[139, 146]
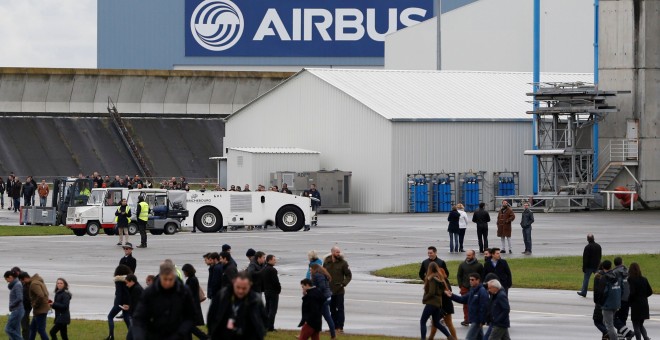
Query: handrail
[622, 150]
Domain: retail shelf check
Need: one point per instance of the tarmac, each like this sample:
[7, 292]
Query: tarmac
[374, 305]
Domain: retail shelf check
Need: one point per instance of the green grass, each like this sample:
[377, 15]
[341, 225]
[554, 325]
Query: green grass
[33, 230]
[541, 272]
[95, 329]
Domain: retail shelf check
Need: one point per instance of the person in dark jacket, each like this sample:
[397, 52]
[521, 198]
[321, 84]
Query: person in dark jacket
[481, 217]
[16, 189]
[166, 308]
[607, 293]
[193, 285]
[526, 221]
[123, 218]
[312, 302]
[640, 290]
[122, 297]
[477, 301]
[215, 274]
[434, 288]
[341, 276]
[40, 307]
[321, 280]
[128, 260]
[60, 304]
[498, 266]
[27, 191]
[499, 311]
[24, 277]
[454, 230]
[470, 266]
[16, 311]
[272, 290]
[255, 269]
[432, 253]
[590, 262]
[229, 271]
[2, 193]
[237, 313]
[8, 189]
[135, 292]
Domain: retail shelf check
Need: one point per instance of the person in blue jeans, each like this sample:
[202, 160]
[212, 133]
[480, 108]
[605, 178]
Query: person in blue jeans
[40, 307]
[477, 300]
[122, 297]
[16, 310]
[590, 262]
[321, 279]
[434, 288]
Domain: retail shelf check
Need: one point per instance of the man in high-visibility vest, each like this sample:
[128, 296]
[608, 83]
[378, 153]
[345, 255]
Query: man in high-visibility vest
[122, 219]
[142, 213]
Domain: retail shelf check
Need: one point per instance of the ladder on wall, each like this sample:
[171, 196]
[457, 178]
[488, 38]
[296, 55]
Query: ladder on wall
[127, 138]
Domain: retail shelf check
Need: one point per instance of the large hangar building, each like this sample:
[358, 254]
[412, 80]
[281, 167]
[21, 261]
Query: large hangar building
[383, 125]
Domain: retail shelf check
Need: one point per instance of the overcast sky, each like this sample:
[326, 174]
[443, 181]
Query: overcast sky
[48, 33]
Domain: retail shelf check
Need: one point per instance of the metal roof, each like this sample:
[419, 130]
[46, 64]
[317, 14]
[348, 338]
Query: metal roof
[276, 150]
[441, 95]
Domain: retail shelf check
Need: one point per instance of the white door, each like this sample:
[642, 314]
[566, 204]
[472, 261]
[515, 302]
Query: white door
[112, 201]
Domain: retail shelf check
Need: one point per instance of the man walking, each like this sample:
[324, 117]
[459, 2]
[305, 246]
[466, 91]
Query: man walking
[340, 275]
[476, 299]
[43, 191]
[165, 310]
[255, 270]
[468, 267]
[498, 266]
[499, 311]
[504, 218]
[526, 223]
[142, 213]
[16, 311]
[128, 259]
[590, 261]
[607, 293]
[40, 307]
[25, 278]
[481, 218]
[432, 253]
[272, 290]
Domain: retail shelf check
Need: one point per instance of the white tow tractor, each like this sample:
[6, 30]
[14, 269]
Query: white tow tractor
[167, 209]
[98, 213]
[213, 211]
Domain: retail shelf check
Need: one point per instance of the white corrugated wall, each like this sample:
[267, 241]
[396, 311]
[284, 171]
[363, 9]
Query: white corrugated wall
[432, 147]
[308, 113]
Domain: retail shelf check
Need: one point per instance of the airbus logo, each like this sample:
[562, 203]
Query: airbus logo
[217, 25]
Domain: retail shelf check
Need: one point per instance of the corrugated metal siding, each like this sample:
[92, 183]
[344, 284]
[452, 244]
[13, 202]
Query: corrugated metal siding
[447, 95]
[459, 147]
[311, 114]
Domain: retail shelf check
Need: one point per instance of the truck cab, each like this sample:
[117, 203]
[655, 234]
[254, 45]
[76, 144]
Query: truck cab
[98, 213]
[69, 192]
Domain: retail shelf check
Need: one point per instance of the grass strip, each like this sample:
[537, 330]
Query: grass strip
[33, 230]
[98, 329]
[558, 272]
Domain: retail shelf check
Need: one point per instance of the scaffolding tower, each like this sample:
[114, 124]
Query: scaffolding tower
[564, 116]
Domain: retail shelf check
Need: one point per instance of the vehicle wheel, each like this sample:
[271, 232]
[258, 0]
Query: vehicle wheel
[290, 218]
[156, 232]
[109, 231]
[132, 229]
[79, 232]
[208, 220]
[93, 228]
[170, 229]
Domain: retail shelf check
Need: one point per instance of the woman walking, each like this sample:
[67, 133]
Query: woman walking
[453, 229]
[321, 279]
[313, 258]
[193, 284]
[462, 225]
[434, 287]
[640, 290]
[122, 297]
[61, 307]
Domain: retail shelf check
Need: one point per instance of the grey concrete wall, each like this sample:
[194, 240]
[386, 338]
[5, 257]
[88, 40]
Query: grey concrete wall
[629, 56]
[47, 147]
[135, 92]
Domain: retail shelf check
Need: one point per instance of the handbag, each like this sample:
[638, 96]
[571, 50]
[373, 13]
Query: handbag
[202, 295]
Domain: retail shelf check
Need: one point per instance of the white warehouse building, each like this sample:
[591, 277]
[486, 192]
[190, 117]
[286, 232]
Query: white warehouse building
[383, 125]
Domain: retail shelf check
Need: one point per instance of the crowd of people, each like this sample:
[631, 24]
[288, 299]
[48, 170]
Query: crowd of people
[28, 191]
[243, 305]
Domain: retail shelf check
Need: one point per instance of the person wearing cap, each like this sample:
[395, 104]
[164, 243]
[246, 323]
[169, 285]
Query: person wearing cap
[250, 255]
[128, 259]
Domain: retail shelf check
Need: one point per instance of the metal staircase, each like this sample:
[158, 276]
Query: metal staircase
[125, 135]
[617, 155]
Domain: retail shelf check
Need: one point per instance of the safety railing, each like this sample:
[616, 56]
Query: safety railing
[618, 150]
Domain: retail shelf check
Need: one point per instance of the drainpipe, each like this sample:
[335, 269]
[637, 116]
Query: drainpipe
[537, 79]
[595, 127]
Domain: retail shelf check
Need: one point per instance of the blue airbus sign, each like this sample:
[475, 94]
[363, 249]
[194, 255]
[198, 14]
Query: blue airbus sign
[297, 28]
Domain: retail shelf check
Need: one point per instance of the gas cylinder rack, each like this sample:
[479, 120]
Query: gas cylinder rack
[471, 193]
[506, 183]
[419, 192]
[444, 191]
